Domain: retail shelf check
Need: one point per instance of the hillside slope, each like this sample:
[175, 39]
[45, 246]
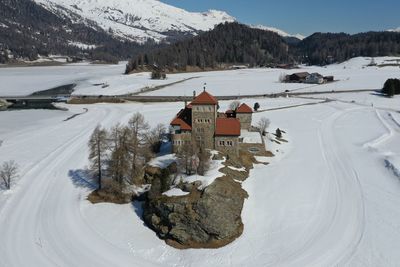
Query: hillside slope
[229, 43]
[138, 20]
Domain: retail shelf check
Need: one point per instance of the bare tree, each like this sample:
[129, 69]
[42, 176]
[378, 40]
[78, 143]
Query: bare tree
[119, 162]
[187, 158]
[153, 138]
[204, 161]
[263, 124]
[98, 148]
[8, 172]
[137, 143]
[234, 105]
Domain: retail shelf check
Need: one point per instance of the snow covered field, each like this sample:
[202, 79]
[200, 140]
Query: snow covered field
[330, 198]
[351, 74]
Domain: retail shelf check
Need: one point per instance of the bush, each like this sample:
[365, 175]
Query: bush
[391, 87]
[158, 75]
[256, 106]
[278, 133]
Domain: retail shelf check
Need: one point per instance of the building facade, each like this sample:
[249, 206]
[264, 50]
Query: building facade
[200, 122]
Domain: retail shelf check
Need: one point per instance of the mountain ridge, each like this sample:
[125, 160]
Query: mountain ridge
[138, 20]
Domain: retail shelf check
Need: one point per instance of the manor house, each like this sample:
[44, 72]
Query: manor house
[201, 122]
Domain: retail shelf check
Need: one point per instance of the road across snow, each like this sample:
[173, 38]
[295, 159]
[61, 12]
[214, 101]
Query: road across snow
[329, 201]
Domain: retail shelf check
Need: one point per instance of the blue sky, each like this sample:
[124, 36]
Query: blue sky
[306, 17]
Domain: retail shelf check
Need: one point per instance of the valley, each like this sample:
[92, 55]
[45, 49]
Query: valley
[329, 197]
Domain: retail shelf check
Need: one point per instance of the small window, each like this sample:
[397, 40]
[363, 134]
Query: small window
[222, 143]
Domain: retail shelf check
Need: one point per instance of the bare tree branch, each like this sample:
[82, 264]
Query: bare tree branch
[8, 172]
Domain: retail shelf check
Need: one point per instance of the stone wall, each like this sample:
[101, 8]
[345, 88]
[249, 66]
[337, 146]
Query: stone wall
[227, 145]
[178, 140]
[203, 124]
[245, 120]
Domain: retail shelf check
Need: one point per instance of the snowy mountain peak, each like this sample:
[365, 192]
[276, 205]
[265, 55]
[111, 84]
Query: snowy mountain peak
[138, 20]
[278, 31]
[394, 30]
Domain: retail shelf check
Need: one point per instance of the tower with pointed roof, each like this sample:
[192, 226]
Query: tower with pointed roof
[204, 116]
[200, 123]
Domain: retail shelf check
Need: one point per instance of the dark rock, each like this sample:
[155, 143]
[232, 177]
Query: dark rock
[203, 219]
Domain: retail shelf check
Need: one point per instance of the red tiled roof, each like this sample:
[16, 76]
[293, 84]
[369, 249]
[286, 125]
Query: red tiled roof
[205, 99]
[227, 127]
[179, 122]
[244, 109]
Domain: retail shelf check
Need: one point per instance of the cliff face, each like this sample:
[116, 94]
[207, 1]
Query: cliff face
[203, 219]
[207, 217]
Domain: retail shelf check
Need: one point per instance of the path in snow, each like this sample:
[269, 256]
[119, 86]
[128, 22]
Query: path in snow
[316, 207]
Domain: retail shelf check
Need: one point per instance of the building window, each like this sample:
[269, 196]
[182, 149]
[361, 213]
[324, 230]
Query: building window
[221, 143]
[229, 143]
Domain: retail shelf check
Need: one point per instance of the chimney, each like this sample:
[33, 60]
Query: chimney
[185, 103]
[204, 88]
[194, 94]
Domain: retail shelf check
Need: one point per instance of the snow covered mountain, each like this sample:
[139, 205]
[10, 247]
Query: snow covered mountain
[394, 30]
[278, 31]
[137, 20]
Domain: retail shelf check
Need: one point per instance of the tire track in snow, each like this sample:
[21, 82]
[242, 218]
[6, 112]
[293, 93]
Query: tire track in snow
[349, 216]
[34, 178]
[42, 224]
[333, 239]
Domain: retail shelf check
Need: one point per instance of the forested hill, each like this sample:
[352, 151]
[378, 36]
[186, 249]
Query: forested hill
[229, 43]
[326, 48]
[234, 43]
[28, 30]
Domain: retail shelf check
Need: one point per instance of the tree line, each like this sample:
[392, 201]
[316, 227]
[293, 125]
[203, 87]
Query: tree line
[121, 152]
[327, 48]
[28, 30]
[118, 156]
[228, 43]
[234, 43]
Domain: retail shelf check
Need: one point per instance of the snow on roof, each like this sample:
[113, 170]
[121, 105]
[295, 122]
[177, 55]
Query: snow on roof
[244, 108]
[227, 127]
[205, 98]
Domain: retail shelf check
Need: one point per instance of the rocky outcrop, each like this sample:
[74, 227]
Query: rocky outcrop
[207, 217]
[203, 219]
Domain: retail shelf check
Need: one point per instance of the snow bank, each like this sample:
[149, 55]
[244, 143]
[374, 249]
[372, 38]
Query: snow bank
[163, 161]
[175, 192]
[212, 174]
[250, 137]
[393, 164]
